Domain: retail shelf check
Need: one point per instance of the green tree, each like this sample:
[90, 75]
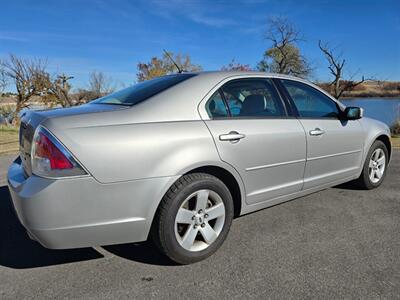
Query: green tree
[284, 55]
[159, 66]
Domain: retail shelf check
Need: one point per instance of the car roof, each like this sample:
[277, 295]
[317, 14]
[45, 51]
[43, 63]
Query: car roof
[225, 74]
[183, 102]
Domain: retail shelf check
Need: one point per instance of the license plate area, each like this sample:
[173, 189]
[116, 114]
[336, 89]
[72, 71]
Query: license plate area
[25, 140]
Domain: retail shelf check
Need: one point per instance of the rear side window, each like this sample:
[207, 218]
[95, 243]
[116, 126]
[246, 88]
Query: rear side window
[310, 103]
[216, 107]
[142, 91]
[253, 98]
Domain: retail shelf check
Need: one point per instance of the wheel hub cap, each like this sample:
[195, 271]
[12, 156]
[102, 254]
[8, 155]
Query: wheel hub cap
[199, 218]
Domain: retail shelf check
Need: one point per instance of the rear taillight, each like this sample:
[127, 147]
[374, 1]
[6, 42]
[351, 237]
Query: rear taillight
[46, 151]
[50, 158]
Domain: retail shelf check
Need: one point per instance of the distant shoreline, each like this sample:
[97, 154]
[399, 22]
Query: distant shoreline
[368, 89]
[371, 97]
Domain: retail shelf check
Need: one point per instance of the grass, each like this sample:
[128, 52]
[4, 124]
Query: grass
[8, 140]
[396, 142]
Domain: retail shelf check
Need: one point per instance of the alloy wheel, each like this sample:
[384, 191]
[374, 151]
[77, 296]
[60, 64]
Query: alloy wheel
[199, 220]
[377, 164]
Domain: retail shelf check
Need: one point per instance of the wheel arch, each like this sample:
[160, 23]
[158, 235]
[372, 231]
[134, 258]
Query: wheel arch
[228, 179]
[224, 172]
[386, 140]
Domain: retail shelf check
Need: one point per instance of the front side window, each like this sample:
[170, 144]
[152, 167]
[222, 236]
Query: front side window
[252, 98]
[310, 103]
[143, 91]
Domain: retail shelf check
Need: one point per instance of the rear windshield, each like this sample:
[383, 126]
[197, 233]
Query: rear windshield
[142, 91]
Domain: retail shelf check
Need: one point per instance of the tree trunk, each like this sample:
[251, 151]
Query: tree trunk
[337, 88]
[18, 108]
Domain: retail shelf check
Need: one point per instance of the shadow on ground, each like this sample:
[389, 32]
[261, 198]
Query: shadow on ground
[141, 252]
[18, 251]
[351, 185]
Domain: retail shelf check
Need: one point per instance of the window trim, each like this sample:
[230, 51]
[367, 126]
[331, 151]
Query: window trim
[221, 94]
[268, 80]
[228, 109]
[290, 107]
[294, 107]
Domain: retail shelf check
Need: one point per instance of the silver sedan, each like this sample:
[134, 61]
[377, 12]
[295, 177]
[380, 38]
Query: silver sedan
[175, 158]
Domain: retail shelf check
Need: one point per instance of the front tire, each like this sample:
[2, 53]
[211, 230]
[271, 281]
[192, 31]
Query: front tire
[193, 218]
[375, 166]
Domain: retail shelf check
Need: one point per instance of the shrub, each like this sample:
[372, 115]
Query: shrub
[395, 128]
[7, 112]
[360, 87]
[391, 86]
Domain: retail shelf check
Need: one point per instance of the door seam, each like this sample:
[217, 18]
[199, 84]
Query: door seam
[306, 154]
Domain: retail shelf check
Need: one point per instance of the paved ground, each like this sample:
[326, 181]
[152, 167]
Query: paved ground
[338, 243]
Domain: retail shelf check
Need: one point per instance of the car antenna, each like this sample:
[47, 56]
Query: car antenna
[176, 65]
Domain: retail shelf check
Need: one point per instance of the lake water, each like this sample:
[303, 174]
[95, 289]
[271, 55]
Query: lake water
[386, 110]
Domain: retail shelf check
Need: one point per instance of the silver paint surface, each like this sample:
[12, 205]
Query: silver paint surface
[134, 155]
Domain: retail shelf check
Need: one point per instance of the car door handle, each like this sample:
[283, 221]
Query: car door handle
[232, 136]
[317, 131]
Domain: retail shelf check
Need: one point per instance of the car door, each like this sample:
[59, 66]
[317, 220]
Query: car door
[334, 146]
[254, 134]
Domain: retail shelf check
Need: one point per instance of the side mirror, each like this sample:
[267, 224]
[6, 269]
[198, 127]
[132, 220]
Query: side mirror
[353, 113]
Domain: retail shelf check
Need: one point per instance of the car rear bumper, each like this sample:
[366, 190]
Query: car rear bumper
[81, 212]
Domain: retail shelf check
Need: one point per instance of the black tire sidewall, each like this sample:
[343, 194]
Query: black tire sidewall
[367, 181]
[174, 249]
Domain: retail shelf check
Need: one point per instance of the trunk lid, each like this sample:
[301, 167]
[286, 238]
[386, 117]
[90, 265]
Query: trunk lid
[31, 119]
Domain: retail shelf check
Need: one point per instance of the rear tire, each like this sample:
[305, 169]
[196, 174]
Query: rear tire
[375, 166]
[193, 218]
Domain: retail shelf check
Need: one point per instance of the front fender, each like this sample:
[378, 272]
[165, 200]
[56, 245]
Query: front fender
[372, 130]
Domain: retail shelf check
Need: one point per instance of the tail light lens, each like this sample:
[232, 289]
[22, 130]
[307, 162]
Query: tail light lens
[50, 158]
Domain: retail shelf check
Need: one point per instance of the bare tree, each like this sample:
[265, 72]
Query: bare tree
[58, 91]
[28, 75]
[3, 78]
[284, 55]
[99, 84]
[82, 96]
[336, 65]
